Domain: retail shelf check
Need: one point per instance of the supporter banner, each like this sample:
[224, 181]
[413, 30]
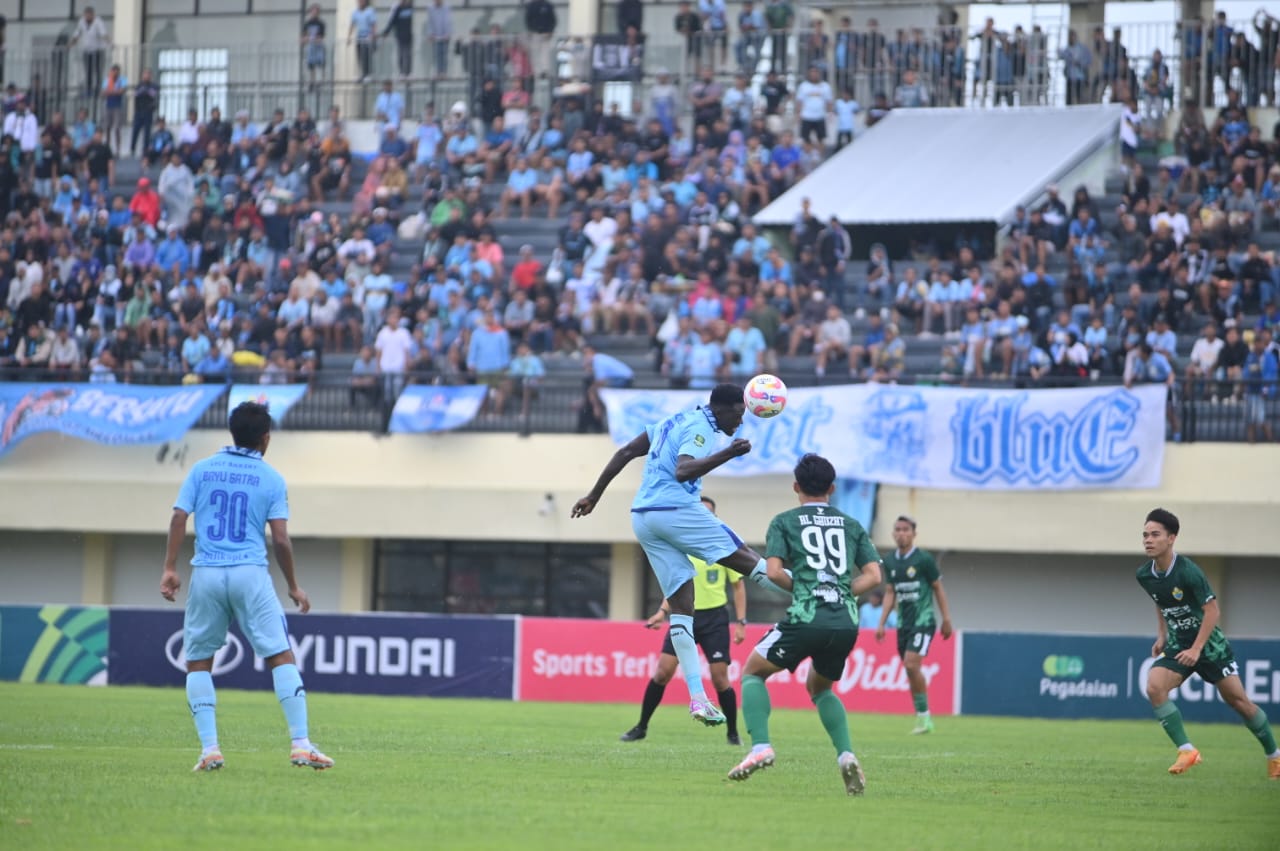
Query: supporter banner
[53, 644]
[359, 654]
[1078, 676]
[425, 407]
[278, 398]
[591, 661]
[857, 499]
[943, 437]
[103, 413]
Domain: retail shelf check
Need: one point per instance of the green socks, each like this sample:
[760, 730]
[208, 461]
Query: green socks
[1171, 719]
[1262, 731]
[834, 720]
[755, 709]
[921, 701]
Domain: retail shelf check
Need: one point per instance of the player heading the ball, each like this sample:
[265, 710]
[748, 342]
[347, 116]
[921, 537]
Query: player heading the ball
[671, 523]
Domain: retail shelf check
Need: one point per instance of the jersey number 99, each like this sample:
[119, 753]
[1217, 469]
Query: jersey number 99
[230, 516]
[825, 549]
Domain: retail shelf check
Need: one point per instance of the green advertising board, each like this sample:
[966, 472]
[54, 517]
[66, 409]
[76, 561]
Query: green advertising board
[53, 644]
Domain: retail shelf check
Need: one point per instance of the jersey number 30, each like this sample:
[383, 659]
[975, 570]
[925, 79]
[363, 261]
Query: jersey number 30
[230, 516]
[824, 549]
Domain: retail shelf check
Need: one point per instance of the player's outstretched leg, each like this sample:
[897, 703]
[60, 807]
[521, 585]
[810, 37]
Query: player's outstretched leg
[755, 711]
[203, 702]
[293, 700]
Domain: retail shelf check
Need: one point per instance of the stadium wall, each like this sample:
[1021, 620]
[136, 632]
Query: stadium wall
[84, 524]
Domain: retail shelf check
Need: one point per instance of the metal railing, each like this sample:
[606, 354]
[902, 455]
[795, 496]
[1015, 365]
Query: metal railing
[1204, 410]
[1029, 66]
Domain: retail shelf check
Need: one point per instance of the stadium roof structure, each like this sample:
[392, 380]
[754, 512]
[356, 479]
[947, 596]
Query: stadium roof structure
[923, 166]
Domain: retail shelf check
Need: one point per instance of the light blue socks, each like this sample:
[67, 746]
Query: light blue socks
[203, 702]
[687, 652]
[293, 700]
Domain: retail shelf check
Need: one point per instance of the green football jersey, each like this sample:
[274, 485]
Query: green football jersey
[824, 549]
[1181, 595]
[912, 577]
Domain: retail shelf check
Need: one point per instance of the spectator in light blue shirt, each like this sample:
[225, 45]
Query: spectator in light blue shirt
[194, 348]
[870, 612]
[1162, 339]
[753, 242]
[389, 104]
[526, 372]
[706, 358]
[428, 139]
[173, 251]
[605, 371]
[489, 351]
[746, 347]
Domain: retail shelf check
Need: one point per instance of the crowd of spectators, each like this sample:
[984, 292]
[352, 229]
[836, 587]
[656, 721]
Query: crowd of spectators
[222, 261]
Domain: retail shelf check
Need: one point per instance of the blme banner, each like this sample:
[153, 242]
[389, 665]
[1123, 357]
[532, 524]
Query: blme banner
[942, 437]
[591, 661]
[1079, 676]
[104, 413]
[357, 654]
[424, 407]
[278, 398]
[54, 644]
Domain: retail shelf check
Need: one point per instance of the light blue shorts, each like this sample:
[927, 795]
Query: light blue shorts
[670, 537]
[245, 594]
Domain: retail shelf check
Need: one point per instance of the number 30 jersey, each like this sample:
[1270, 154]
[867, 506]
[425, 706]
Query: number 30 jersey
[232, 495]
[824, 549]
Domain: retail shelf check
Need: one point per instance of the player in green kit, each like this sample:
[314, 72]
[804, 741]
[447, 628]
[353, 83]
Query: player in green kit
[825, 559]
[915, 585]
[1189, 641]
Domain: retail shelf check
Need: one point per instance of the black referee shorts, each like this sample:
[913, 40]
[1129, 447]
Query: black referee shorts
[711, 632]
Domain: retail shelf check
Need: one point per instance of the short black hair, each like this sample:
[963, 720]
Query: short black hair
[1165, 518]
[709, 501]
[902, 518]
[815, 475]
[250, 423]
[727, 394]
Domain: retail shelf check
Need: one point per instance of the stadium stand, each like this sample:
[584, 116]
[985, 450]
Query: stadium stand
[261, 248]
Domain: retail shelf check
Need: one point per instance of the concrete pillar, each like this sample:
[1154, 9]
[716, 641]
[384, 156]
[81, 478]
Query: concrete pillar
[95, 585]
[127, 38]
[346, 68]
[584, 18]
[1215, 570]
[1083, 17]
[626, 583]
[355, 585]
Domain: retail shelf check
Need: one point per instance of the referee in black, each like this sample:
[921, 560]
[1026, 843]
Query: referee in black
[710, 631]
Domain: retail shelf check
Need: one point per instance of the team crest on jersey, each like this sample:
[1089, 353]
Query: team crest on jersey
[698, 440]
[1177, 593]
[911, 572]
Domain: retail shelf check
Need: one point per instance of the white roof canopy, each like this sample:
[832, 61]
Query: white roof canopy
[917, 166]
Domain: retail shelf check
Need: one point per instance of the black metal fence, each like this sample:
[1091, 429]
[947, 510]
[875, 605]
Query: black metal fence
[1213, 411]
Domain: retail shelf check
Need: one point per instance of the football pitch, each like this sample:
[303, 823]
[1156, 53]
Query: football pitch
[110, 768]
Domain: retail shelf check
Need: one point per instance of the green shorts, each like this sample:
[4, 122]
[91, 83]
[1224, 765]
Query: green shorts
[787, 645]
[1212, 671]
[915, 640]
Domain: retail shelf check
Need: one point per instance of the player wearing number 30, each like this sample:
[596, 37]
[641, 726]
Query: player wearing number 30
[233, 495]
[826, 559]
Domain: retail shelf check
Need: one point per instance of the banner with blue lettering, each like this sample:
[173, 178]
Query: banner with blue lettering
[1089, 676]
[435, 655]
[103, 413]
[942, 437]
[426, 407]
[278, 398]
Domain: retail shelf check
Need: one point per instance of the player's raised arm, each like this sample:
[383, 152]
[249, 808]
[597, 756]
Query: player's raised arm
[689, 468]
[637, 448]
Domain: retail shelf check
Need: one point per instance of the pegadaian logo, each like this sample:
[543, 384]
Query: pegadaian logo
[1063, 666]
[227, 658]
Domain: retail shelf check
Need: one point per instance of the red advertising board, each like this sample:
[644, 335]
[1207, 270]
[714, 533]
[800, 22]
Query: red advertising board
[591, 661]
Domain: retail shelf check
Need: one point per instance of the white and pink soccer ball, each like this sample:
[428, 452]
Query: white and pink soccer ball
[765, 396]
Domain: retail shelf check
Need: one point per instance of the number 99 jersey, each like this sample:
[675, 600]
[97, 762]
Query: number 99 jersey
[824, 549]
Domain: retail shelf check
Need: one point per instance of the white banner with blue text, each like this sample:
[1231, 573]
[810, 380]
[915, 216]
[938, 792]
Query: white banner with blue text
[942, 437]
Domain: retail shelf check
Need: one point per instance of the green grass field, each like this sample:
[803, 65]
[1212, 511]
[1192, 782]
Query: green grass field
[110, 768]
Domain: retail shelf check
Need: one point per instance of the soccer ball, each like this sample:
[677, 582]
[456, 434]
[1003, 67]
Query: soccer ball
[765, 396]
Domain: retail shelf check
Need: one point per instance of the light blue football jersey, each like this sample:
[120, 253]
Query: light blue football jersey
[689, 433]
[232, 495]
